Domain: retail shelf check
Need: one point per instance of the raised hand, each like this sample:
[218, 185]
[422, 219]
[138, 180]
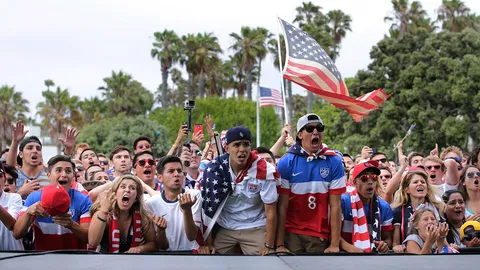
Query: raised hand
[107, 200]
[186, 201]
[434, 152]
[209, 125]
[198, 138]
[18, 131]
[442, 230]
[432, 235]
[182, 133]
[70, 138]
[286, 131]
[366, 152]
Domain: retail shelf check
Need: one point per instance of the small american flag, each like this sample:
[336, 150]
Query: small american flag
[309, 66]
[270, 97]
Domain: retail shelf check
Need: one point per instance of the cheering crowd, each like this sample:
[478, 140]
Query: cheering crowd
[209, 196]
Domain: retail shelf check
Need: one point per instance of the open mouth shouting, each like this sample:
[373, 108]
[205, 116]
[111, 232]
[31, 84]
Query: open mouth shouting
[476, 182]
[125, 199]
[420, 189]
[35, 159]
[315, 142]
[63, 182]
[242, 158]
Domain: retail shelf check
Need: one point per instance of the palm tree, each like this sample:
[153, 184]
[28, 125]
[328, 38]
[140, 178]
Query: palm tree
[249, 46]
[455, 16]
[93, 109]
[123, 94]
[188, 51]
[407, 18]
[12, 107]
[306, 13]
[59, 111]
[206, 55]
[167, 51]
[339, 24]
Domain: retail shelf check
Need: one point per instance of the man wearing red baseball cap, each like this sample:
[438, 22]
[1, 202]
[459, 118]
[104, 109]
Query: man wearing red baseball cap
[59, 214]
[366, 218]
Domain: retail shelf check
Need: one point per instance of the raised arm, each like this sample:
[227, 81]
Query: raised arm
[395, 181]
[277, 147]
[182, 133]
[18, 134]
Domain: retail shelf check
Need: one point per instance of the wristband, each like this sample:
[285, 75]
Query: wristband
[269, 247]
[101, 219]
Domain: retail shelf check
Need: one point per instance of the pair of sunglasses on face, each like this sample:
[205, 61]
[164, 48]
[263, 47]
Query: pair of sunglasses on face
[382, 160]
[364, 178]
[319, 128]
[104, 162]
[148, 161]
[430, 167]
[472, 174]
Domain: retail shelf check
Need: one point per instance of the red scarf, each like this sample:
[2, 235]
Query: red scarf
[360, 234]
[114, 233]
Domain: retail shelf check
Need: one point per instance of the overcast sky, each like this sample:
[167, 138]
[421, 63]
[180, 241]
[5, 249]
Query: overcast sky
[77, 44]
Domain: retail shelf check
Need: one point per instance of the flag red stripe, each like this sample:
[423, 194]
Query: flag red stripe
[261, 169]
[317, 71]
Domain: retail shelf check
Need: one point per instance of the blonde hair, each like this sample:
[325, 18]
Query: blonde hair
[138, 205]
[449, 149]
[416, 219]
[402, 197]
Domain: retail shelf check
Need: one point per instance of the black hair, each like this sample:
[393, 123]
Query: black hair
[141, 138]
[265, 150]
[377, 154]
[179, 151]
[93, 165]
[139, 154]
[165, 160]
[86, 149]
[347, 155]
[58, 158]
[119, 149]
[452, 232]
[10, 170]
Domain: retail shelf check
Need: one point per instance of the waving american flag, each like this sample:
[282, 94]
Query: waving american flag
[309, 66]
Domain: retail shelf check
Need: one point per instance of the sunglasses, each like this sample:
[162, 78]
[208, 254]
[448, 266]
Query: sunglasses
[472, 174]
[150, 162]
[79, 169]
[470, 236]
[387, 176]
[319, 128]
[104, 162]
[364, 178]
[199, 153]
[430, 167]
[382, 160]
[11, 181]
[144, 146]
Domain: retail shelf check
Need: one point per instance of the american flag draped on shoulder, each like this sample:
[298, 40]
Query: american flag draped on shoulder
[217, 184]
[309, 66]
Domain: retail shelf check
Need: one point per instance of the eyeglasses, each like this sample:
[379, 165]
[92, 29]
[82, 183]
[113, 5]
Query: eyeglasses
[472, 174]
[470, 236]
[198, 153]
[387, 176]
[382, 160]
[104, 162]
[364, 178]
[319, 128]
[142, 162]
[436, 167]
[454, 202]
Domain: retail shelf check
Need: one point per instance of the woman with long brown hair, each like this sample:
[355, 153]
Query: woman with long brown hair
[415, 190]
[120, 223]
[470, 186]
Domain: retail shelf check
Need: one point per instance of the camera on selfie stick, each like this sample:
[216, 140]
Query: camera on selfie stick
[189, 105]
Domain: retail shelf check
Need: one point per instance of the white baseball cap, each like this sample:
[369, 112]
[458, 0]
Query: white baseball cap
[308, 119]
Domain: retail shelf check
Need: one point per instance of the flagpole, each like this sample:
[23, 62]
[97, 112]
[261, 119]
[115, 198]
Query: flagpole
[285, 108]
[258, 113]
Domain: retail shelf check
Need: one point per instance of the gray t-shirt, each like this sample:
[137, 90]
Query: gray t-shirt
[417, 239]
[22, 178]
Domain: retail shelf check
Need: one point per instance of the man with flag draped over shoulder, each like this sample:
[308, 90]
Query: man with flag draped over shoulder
[312, 182]
[239, 194]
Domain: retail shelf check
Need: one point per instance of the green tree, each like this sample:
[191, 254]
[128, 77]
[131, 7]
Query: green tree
[93, 109]
[408, 18]
[306, 13]
[339, 24]
[188, 52]
[455, 16]
[166, 49]
[105, 134]
[123, 94]
[58, 112]
[249, 47]
[226, 113]
[206, 57]
[13, 107]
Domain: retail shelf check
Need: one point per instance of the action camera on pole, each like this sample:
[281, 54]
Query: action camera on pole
[189, 105]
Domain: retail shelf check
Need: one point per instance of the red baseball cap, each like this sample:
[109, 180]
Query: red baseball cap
[371, 165]
[55, 200]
